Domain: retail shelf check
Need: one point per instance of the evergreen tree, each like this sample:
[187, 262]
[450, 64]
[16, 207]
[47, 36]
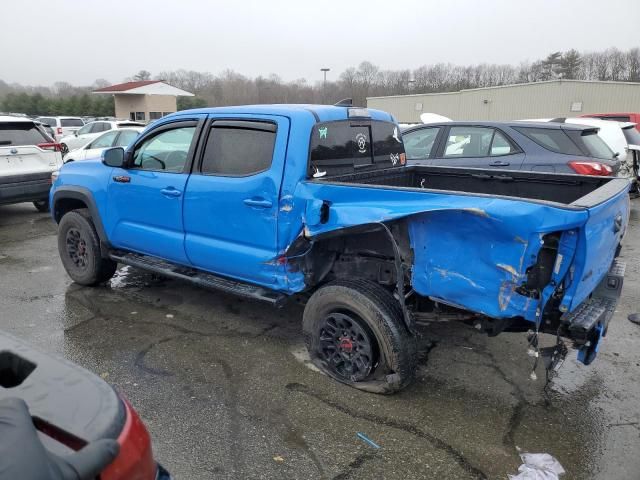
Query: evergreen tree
[570, 64]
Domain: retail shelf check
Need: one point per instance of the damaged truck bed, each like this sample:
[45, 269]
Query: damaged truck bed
[375, 246]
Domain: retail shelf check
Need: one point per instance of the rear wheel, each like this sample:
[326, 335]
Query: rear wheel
[42, 205]
[79, 248]
[354, 331]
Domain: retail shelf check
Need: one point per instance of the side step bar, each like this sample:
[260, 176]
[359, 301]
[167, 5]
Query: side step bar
[197, 277]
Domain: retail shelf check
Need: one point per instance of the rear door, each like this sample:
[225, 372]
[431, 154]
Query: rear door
[24, 150]
[478, 147]
[145, 199]
[231, 200]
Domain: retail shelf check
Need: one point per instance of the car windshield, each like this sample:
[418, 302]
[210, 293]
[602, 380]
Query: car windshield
[632, 135]
[71, 122]
[20, 133]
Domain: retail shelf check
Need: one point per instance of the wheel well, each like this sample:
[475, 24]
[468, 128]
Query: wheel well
[365, 252]
[65, 205]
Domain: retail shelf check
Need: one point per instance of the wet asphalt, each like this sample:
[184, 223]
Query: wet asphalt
[226, 392]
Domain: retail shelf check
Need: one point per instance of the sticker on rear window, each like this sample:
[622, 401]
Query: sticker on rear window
[323, 132]
[361, 141]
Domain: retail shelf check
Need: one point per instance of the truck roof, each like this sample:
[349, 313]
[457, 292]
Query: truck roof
[322, 113]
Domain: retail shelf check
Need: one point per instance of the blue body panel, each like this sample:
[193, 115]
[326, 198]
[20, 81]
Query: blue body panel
[470, 250]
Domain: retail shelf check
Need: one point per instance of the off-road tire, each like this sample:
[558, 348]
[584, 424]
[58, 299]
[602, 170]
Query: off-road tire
[95, 269]
[42, 206]
[381, 313]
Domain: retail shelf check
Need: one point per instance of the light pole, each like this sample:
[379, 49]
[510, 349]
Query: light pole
[324, 83]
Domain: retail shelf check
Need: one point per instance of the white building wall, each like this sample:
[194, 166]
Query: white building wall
[531, 100]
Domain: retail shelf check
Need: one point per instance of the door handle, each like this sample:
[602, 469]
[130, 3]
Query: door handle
[122, 179]
[258, 202]
[499, 163]
[170, 192]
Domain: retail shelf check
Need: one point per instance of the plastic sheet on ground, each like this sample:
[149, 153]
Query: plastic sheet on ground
[538, 466]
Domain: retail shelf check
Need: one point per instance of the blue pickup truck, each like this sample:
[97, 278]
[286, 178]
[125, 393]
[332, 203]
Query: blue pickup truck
[316, 202]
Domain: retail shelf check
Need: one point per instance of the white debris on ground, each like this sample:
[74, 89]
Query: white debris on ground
[538, 466]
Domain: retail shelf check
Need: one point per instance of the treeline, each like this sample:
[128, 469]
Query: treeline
[78, 105]
[231, 88]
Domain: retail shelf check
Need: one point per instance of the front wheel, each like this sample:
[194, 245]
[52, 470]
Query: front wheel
[79, 249]
[355, 332]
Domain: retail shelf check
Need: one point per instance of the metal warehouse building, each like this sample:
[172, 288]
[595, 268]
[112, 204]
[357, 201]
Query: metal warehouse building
[549, 99]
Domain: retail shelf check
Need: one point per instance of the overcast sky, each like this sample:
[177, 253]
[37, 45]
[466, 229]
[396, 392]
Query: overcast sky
[80, 41]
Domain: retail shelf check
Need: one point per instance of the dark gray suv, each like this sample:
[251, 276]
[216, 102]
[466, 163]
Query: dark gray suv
[532, 146]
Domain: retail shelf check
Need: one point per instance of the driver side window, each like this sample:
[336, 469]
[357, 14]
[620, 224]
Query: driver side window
[166, 151]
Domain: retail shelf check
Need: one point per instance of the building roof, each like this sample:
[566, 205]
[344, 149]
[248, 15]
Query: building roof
[144, 87]
[526, 84]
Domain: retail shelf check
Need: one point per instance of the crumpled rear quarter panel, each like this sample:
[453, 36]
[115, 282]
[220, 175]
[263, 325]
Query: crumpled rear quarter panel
[469, 250]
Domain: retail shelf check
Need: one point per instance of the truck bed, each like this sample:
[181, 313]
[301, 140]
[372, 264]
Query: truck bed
[573, 190]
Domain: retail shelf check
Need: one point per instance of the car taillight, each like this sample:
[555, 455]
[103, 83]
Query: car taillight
[54, 147]
[591, 168]
[59, 130]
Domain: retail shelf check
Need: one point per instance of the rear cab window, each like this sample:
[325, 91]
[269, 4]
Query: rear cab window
[20, 133]
[345, 146]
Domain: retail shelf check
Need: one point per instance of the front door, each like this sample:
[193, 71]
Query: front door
[231, 202]
[145, 198]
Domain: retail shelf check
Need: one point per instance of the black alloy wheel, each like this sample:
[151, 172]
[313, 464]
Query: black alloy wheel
[77, 248]
[349, 349]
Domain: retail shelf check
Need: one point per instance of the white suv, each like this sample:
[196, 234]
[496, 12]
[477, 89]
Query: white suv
[28, 156]
[62, 126]
[92, 130]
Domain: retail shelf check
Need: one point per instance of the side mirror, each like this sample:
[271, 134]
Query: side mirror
[75, 133]
[113, 157]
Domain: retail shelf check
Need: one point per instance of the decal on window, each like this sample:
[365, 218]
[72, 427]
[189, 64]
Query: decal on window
[361, 141]
[323, 132]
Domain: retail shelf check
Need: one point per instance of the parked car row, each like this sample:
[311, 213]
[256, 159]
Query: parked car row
[91, 131]
[585, 146]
